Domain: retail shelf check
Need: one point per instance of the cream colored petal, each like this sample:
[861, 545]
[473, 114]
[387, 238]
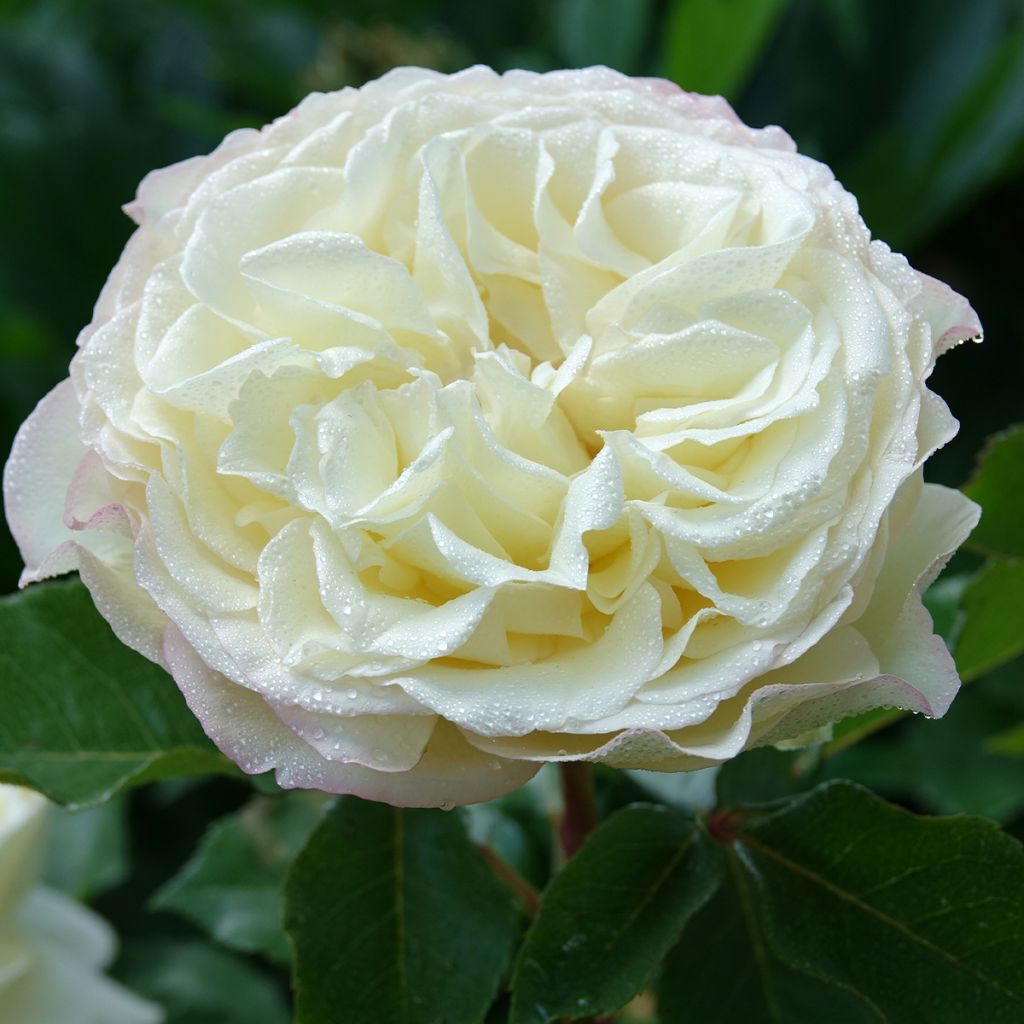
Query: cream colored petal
[450, 772]
[42, 463]
[583, 682]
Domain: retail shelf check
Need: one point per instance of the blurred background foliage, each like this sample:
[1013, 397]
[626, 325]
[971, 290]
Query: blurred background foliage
[917, 105]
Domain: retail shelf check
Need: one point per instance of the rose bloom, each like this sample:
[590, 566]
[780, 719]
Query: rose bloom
[455, 425]
[51, 949]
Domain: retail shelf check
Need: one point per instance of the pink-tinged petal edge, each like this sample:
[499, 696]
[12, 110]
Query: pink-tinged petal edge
[241, 724]
[165, 189]
[952, 318]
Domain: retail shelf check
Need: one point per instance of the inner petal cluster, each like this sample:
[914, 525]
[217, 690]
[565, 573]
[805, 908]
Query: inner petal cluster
[548, 416]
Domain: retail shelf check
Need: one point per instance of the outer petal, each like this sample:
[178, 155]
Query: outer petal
[949, 313]
[902, 635]
[42, 463]
[240, 722]
[51, 506]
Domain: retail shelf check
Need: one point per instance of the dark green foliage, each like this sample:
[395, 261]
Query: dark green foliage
[610, 916]
[396, 918]
[234, 884]
[924, 919]
[842, 907]
[998, 486]
[84, 716]
[200, 984]
[725, 969]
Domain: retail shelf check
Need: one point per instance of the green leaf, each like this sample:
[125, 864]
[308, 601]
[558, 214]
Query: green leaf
[954, 119]
[922, 918]
[851, 731]
[1010, 743]
[762, 776]
[84, 716]
[952, 766]
[998, 487]
[396, 918]
[712, 47]
[87, 850]
[233, 886]
[981, 131]
[603, 31]
[611, 915]
[947, 766]
[197, 983]
[723, 969]
[943, 599]
[991, 633]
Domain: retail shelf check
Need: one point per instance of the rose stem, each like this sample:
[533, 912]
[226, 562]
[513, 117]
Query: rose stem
[579, 816]
[515, 881]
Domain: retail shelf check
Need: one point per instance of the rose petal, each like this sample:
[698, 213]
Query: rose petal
[42, 463]
[450, 772]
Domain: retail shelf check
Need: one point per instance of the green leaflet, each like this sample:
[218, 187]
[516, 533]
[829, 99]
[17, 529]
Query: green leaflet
[923, 918]
[84, 716]
[395, 917]
[611, 915]
[233, 885]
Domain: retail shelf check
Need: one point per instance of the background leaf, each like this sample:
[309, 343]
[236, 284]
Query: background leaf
[711, 45]
[947, 766]
[761, 776]
[602, 32]
[923, 918]
[998, 486]
[723, 970]
[611, 914]
[959, 118]
[197, 983]
[991, 634]
[233, 886]
[1010, 742]
[518, 829]
[87, 850]
[396, 918]
[84, 716]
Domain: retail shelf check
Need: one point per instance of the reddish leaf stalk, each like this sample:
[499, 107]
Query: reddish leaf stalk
[515, 881]
[579, 816]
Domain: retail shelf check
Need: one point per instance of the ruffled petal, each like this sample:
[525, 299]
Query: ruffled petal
[42, 464]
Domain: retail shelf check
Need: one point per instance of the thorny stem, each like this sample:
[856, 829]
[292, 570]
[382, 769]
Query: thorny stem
[579, 817]
[515, 881]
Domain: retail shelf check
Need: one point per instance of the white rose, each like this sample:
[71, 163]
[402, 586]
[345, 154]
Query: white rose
[52, 951]
[454, 425]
